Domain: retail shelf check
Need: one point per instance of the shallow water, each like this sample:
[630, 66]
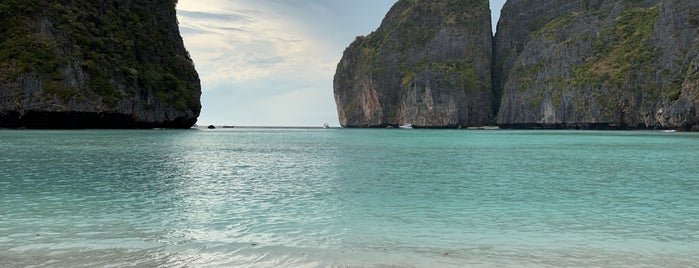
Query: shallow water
[348, 198]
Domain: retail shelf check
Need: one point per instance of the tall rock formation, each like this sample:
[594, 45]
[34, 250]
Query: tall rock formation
[95, 64]
[598, 64]
[427, 65]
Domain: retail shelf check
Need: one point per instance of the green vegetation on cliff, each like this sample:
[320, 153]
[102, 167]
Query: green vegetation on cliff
[621, 50]
[119, 45]
[463, 70]
[428, 64]
[597, 64]
[413, 25]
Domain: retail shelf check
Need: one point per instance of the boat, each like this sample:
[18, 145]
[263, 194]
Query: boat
[406, 126]
[669, 131]
[326, 126]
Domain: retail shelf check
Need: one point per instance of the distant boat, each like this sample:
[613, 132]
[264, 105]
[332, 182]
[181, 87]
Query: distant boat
[326, 126]
[406, 126]
[669, 131]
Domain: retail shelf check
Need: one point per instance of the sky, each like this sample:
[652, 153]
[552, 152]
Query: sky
[272, 62]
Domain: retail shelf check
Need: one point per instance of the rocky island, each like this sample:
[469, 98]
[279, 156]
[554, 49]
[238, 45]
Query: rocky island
[597, 64]
[427, 65]
[588, 64]
[95, 64]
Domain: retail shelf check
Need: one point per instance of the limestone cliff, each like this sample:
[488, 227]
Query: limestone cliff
[427, 65]
[95, 64]
[598, 64]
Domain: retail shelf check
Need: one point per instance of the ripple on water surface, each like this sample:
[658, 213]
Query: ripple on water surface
[348, 198]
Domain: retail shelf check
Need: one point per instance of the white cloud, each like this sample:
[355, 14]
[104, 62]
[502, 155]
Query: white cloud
[271, 62]
[239, 41]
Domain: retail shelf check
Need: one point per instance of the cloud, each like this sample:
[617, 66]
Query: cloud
[247, 49]
[189, 31]
[271, 62]
[230, 29]
[214, 17]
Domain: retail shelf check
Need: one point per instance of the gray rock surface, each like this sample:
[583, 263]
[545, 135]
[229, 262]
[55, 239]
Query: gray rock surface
[427, 65]
[95, 64]
[598, 64]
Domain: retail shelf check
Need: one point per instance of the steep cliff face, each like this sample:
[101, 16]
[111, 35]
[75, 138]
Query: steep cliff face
[95, 64]
[598, 64]
[427, 65]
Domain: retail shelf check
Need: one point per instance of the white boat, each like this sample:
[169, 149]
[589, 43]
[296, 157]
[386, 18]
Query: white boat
[669, 131]
[406, 126]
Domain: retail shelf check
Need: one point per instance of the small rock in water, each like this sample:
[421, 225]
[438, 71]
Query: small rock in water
[211, 127]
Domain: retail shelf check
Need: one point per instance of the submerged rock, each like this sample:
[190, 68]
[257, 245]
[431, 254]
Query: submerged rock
[95, 64]
[428, 65]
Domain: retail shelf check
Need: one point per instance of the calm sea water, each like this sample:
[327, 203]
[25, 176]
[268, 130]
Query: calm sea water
[348, 198]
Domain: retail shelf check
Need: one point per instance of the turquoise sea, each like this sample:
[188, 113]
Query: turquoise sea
[348, 198]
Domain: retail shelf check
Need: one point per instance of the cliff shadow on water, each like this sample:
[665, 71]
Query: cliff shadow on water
[95, 64]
